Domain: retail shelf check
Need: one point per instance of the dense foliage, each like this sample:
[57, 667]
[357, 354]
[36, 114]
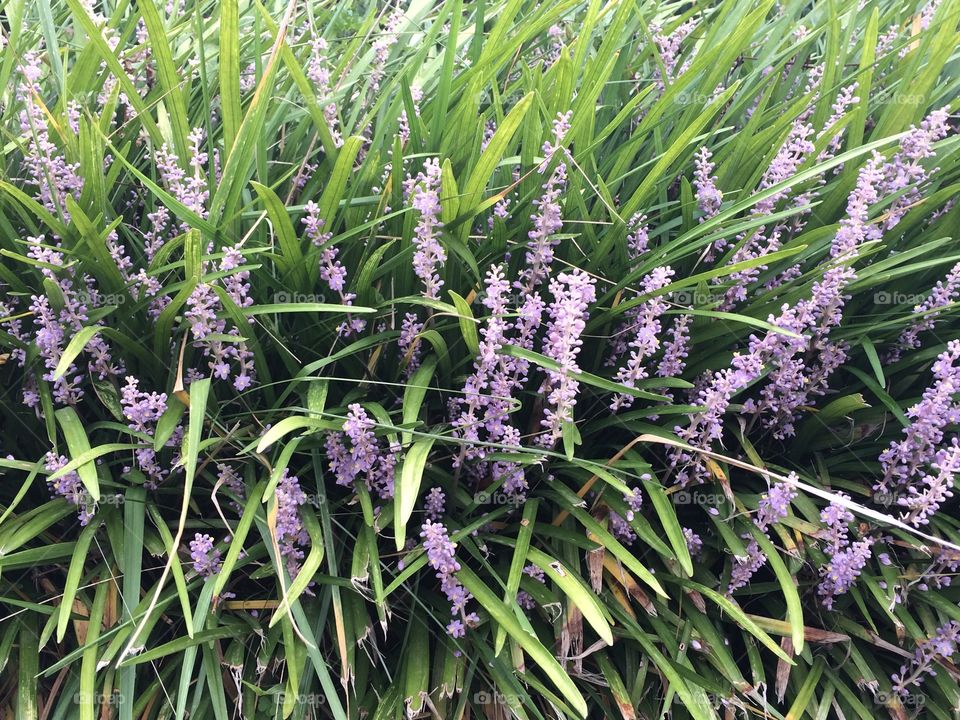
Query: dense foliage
[479, 358]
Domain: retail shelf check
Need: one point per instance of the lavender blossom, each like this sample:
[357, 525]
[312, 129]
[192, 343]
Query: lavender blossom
[669, 46]
[490, 386]
[794, 380]
[435, 503]
[548, 219]
[772, 508]
[292, 537]
[381, 48]
[229, 477]
[46, 166]
[142, 410]
[409, 344]
[675, 350]
[943, 294]
[709, 197]
[943, 645]
[634, 500]
[573, 292]
[332, 271]
[643, 322]
[440, 556]
[69, 487]
[205, 557]
[621, 529]
[204, 316]
[430, 255]
[638, 239]
[905, 461]
[356, 455]
[843, 569]
[318, 72]
[191, 190]
[694, 542]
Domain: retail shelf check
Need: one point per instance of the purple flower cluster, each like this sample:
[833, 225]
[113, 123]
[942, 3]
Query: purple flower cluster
[487, 393]
[794, 379]
[207, 326]
[921, 467]
[620, 529]
[318, 72]
[572, 292]
[435, 503]
[845, 558]
[423, 192]
[943, 294]
[55, 322]
[387, 38]
[69, 487]
[634, 500]
[292, 537]
[669, 46]
[943, 645]
[142, 410]
[772, 508]
[356, 454]
[440, 556]
[760, 243]
[205, 557]
[409, 343]
[190, 189]
[643, 323]
[332, 271]
[675, 350]
[548, 219]
[694, 542]
[48, 169]
[708, 195]
[416, 94]
[230, 478]
[524, 599]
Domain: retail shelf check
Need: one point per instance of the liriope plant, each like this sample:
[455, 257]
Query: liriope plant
[481, 358]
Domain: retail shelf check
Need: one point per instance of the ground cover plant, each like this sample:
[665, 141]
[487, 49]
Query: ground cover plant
[484, 358]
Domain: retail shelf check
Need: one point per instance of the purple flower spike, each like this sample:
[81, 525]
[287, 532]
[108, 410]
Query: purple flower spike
[709, 197]
[772, 508]
[430, 255]
[292, 537]
[356, 454]
[205, 557]
[643, 323]
[440, 556]
[572, 292]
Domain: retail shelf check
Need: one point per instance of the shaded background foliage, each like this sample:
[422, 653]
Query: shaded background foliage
[176, 179]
